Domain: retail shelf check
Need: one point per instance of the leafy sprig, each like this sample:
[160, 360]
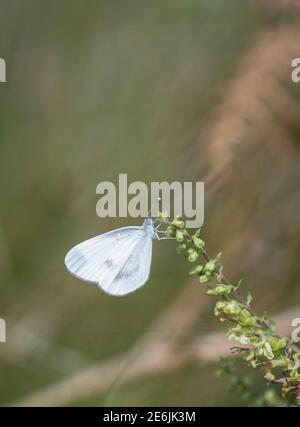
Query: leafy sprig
[259, 344]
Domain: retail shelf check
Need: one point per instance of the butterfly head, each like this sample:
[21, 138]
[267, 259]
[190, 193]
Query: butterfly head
[149, 227]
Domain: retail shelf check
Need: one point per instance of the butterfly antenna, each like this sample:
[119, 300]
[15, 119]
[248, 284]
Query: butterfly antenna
[153, 205]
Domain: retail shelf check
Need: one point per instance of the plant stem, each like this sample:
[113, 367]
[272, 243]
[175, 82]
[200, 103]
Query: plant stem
[236, 293]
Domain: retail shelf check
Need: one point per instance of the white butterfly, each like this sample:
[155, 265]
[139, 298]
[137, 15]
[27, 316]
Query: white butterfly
[118, 261]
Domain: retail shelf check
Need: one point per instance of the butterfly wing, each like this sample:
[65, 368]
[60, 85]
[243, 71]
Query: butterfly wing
[107, 260]
[135, 270]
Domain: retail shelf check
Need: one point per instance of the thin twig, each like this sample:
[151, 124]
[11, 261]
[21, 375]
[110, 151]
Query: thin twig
[235, 292]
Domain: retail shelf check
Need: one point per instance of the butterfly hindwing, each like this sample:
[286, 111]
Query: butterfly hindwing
[135, 269]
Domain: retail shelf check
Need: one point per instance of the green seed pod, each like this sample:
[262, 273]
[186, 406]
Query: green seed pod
[210, 266]
[193, 256]
[277, 343]
[223, 289]
[163, 217]
[221, 305]
[196, 270]
[198, 243]
[182, 248]
[219, 308]
[285, 390]
[244, 314]
[249, 321]
[208, 274]
[197, 233]
[178, 223]
[203, 279]
[232, 309]
[170, 231]
[269, 376]
[179, 236]
[266, 350]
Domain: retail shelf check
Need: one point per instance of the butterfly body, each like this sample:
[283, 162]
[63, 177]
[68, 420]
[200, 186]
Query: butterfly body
[118, 261]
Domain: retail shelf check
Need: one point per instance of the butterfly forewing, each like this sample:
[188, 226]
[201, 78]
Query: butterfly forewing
[118, 261]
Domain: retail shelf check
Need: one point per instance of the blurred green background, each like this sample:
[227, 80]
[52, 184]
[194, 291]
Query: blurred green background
[161, 90]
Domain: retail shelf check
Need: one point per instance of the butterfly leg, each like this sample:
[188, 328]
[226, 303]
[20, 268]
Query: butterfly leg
[165, 238]
[162, 238]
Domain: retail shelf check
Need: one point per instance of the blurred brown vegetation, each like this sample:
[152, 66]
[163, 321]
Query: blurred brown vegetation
[173, 90]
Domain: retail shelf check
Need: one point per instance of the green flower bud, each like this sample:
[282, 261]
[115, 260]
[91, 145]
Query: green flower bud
[295, 375]
[221, 305]
[181, 248]
[254, 363]
[224, 289]
[244, 315]
[264, 349]
[219, 290]
[163, 217]
[203, 279]
[193, 256]
[170, 231]
[232, 309]
[178, 223]
[198, 243]
[268, 351]
[209, 275]
[248, 321]
[210, 266]
[285, 390]
[179, 236]
[196, 270]
[269, 376]
[219, 308]
[197, 233]
[277, 343]
[282, 362]
[250, 355]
